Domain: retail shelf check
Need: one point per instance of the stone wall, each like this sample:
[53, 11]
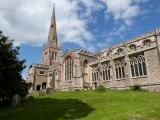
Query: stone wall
[146, 44]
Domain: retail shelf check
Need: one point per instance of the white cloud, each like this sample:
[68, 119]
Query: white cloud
[27, 21]
[24, 21]
[123, 12]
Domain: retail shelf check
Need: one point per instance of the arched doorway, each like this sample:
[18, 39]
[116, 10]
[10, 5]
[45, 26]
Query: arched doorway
[30, 85]
[95, 85]
[44, 85]
[38, 87]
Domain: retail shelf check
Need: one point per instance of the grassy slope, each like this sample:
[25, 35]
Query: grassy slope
[89, 105]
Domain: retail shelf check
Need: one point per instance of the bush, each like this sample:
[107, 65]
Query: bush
[136, 88]
[41, 93]
[30, 98]
[49, 90]
[27, 98]
[100, 88]
[77, 90]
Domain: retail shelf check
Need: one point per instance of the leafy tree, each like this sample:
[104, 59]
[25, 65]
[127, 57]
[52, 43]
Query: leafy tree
[11, 81]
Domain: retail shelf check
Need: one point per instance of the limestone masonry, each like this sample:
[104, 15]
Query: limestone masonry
[134, 62]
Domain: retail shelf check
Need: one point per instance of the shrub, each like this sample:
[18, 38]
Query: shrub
[136, 88]
[30, 98]
[48, 90]
[100, 88]
[77, 90]
[41, 93]
[27, 98]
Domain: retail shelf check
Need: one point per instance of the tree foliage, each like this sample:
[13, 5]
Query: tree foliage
[11, 81]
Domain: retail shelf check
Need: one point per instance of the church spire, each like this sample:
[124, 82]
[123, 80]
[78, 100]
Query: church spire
[51, 52]
[52, 37]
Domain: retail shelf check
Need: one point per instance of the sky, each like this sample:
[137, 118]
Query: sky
[87, 24]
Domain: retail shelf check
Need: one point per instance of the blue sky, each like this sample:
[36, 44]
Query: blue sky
[87, 24]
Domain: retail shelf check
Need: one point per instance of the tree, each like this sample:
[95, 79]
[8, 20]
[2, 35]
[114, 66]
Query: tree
[11, 81]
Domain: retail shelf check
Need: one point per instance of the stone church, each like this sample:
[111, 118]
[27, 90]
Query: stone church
[133, 62]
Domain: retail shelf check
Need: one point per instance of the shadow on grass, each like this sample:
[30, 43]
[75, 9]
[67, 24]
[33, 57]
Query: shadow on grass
[48, 109]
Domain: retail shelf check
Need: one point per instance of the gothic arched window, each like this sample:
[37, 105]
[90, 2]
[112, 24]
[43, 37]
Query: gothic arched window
[68, 68]
[138, 66]
[54, 56]
[147, 42]
[132, 47]
[119, 50]
[120, 69]
[95, 75]
[85, 62]
[106, 72]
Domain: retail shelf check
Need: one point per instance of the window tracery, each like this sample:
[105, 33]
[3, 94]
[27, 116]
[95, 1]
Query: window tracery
[132, 47]
[95, 74]
[138, 66]
[119, 50]
[68, 69]
[106, 72]
[146, 42]
[120, 69]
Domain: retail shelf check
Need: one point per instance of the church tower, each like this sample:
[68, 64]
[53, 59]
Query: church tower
[51, 50]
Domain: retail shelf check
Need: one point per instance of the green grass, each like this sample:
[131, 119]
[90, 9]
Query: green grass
[88, 105]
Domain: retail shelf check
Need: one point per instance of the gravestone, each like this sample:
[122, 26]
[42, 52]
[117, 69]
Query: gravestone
[16, 100]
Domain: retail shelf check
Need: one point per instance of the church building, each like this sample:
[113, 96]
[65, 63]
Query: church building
[133, 62]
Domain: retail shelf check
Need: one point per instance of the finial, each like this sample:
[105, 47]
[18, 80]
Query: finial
[53, 12]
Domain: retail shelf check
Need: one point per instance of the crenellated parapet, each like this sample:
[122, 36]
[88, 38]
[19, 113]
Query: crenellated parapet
[39, 65]
[85, 52]
[141, 43]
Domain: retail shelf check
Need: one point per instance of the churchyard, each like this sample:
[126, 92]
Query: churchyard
[87, 105]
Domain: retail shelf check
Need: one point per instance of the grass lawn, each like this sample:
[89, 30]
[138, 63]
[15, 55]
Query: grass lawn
[87, 105]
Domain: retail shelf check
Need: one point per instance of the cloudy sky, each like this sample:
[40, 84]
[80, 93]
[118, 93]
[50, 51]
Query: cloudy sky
[87, 24]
